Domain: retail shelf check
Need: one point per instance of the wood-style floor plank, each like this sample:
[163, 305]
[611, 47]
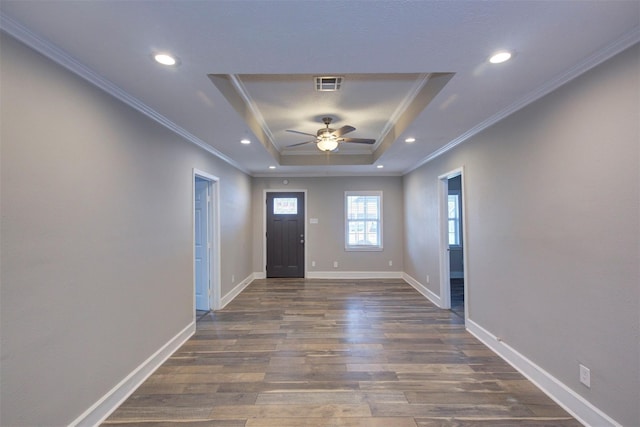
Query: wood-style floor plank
[374, 353]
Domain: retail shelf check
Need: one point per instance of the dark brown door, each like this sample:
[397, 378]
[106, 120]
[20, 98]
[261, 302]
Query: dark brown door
[285, 234]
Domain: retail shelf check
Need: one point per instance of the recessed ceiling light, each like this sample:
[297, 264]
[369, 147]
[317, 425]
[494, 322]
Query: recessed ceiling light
[500, 57]
[165, 59]
[272, 167]
[410, 140]
[380, 166]
[245, 141]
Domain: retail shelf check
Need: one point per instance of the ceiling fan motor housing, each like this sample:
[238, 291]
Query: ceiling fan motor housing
[325, 131]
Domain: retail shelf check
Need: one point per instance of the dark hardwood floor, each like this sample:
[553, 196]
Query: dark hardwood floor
[457, 296]
[374, 353]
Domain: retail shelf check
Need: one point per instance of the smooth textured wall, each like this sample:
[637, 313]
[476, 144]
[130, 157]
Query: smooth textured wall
[325, 241]
[553, 245]
[97, 258]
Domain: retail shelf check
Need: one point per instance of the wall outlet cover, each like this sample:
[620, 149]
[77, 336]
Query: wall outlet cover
[585, 375]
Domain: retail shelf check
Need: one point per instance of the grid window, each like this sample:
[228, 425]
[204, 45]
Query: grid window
[363, 211]
[453, 214]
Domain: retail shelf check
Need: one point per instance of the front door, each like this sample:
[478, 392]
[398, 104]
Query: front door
[285, 234]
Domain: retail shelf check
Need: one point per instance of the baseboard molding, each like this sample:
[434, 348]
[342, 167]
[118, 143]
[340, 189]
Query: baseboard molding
[338, 275]
[259, 275]
[430, 295]
[231, 295]
[100, 410]
[571, 401]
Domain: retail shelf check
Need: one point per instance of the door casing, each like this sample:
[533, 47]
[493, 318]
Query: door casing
[445, 279]
[214, 237]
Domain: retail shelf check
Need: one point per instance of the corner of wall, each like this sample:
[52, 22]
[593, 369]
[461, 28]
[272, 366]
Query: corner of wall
[100, 410]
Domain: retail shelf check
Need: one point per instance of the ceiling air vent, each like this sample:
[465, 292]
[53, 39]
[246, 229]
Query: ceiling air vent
[328, 84]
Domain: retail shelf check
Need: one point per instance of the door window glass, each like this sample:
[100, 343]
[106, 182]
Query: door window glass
[285, 206]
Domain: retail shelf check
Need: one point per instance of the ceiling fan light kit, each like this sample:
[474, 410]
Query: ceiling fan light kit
[328, 139]
[327, 142]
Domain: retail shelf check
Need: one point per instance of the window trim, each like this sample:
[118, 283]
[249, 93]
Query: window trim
[363, 248]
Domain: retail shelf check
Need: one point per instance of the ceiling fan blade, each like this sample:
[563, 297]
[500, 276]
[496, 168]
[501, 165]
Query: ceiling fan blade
[299, 143]
[359, 140]
[301, 133]
[343, 130]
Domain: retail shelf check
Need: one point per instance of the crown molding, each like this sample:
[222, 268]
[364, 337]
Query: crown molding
[622, 43]
[415, 90]
[48, 49]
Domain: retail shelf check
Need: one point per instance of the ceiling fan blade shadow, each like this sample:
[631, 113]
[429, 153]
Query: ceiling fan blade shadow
[301, 133]
[343, 130]
[300, 143]
[359, 140]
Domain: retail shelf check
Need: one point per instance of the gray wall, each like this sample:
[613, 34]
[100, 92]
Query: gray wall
[325, 240]
[553, 237]
[96, 266]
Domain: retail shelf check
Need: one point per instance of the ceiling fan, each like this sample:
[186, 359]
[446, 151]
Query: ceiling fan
[327, 139]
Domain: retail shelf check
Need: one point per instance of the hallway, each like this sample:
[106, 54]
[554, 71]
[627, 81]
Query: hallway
[336, 353]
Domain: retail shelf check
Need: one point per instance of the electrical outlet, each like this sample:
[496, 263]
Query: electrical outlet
[233, 278]
[335, 264]
[313, 263]
[390, 263]
[585, 375]
[427, 278]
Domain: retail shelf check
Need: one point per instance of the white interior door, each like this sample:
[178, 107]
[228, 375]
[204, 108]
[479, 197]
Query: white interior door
[202, 243]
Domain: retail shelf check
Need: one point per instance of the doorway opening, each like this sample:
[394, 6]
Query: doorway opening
[285, 234]
[453, 285]
[206, 243]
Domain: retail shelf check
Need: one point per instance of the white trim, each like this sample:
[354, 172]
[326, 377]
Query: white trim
[625, 41]
[426, 292]
[338, 275]
[564, 396]
[264, 225]
[214, 220]
[444, 253]
[259, 275]
[443, 245]
[99, 411]
[380, 232]
[326, 173]
[237, 84]
[233, 293]
[61, 57]
[415, 90]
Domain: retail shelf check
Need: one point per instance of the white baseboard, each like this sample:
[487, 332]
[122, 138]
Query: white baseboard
[231, 295]
[100, 410]
[567, 398]
[259, 275]
[337, 275]
[430, 295]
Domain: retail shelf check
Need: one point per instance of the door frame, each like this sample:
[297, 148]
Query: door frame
[213, 220]
[264, 225]
[445, 279]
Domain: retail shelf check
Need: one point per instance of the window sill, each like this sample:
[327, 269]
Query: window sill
[363, 249]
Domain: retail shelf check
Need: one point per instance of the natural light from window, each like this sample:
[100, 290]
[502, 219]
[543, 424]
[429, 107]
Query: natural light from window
[453, 209]
[363, 212]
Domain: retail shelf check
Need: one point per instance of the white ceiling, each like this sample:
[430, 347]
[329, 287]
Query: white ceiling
[411, 68]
